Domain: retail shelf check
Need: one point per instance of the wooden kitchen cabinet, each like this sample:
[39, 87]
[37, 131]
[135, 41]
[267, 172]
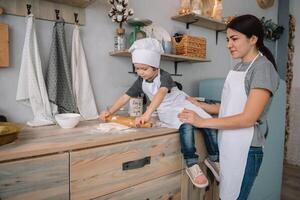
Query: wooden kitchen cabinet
[36, 178]
[81, 163]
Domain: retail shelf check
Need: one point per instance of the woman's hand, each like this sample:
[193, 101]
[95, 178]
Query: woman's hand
[103, 115]
[189, 116]
[142, 119]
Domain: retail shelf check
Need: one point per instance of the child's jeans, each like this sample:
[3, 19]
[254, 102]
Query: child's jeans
[187, 141]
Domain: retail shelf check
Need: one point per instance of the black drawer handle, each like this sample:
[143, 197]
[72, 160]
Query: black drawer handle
[136, 163]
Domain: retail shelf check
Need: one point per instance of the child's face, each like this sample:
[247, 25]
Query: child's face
[145, 71]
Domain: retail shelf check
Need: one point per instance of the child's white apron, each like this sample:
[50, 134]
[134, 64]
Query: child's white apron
[233, 144]
[173, 103]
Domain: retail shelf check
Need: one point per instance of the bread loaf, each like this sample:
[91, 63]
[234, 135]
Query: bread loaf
[127, 121]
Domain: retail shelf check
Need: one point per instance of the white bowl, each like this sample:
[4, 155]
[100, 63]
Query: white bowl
[67, 120]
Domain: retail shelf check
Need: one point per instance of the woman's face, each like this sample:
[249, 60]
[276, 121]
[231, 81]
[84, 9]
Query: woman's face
[239, 45]
[145, 71]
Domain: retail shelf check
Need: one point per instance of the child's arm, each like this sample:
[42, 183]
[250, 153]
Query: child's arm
[117, 105]
[156, 101]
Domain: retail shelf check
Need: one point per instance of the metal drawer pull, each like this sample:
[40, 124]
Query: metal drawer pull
[136, 163]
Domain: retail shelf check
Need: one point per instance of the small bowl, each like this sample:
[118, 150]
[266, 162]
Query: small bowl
[67, 120]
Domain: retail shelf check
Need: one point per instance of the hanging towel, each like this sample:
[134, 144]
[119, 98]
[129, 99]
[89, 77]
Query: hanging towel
[59, 75]
[82, 89]
[31, 86]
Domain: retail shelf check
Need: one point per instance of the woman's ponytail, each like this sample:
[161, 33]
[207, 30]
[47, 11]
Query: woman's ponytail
[266, 52]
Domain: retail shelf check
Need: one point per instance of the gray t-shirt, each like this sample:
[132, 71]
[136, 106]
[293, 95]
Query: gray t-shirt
[262, 74]
[165, 81]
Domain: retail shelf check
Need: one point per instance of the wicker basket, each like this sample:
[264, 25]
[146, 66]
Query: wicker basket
[190, 46]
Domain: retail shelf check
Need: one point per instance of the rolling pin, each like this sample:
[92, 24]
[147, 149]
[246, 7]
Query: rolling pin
[127, 121]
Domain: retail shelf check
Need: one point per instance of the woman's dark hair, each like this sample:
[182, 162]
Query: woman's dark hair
[250, 25]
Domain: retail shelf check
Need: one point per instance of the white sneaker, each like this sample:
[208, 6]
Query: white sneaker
[214, 168]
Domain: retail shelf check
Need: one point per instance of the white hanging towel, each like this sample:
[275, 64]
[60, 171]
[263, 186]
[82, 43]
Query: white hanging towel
[31, 86]
[82, 89]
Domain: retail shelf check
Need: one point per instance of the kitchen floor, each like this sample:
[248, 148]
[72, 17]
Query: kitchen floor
[291, 182]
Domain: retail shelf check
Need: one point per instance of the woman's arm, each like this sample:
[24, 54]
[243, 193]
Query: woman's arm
[255, 105]
[209, 108]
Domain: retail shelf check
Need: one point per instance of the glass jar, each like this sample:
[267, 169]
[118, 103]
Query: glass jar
[185, 7]
[217, 10]
[120, 40]
[196, 7]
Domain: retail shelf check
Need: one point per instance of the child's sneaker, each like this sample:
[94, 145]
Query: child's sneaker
[194, 172]
[214, 168]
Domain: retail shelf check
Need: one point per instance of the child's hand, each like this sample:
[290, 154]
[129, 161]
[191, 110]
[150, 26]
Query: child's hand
[104, 114]
[141, 120]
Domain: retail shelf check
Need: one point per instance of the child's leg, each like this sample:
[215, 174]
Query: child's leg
[187, 142]
[188, 150]
[210, 137]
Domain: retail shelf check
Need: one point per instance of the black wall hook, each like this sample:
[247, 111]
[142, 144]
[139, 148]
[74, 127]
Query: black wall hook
[76, 18]
[57, 14]
[28, 9]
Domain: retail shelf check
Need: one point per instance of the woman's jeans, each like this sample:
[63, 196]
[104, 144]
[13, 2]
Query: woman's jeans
[254, 160]
[210, 137]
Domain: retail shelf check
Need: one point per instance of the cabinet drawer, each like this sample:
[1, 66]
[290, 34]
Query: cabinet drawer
[99, 171]
[36, 178]
[166, 187]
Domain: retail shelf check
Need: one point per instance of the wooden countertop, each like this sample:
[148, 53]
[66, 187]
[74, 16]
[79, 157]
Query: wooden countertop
[53, 139]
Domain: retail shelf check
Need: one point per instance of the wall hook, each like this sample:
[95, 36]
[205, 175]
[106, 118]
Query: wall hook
[28, 9]
[76, 18]
[57, 14]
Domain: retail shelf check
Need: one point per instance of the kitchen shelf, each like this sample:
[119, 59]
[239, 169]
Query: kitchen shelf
[202, 21]
[75, 3]
[169, 57]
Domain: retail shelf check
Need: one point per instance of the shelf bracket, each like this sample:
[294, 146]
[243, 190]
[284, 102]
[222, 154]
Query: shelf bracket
[217, 35]
[133, 70]
[175, 68]
[188, 23]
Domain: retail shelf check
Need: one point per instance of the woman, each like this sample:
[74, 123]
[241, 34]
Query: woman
[246, 97]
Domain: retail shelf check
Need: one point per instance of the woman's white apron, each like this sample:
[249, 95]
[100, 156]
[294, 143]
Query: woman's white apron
[233, 144]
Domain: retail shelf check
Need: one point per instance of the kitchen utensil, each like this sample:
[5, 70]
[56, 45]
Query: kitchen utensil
[9, 132]
[67, 120]
[127, 121]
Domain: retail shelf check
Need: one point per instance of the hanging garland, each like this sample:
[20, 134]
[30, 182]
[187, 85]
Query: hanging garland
[289, 78]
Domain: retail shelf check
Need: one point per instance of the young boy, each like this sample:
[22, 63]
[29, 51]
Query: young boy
[166, 98]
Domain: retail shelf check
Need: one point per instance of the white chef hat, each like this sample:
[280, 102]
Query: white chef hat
[146, 51]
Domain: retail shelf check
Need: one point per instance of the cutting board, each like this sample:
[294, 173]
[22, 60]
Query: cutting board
[4, 45]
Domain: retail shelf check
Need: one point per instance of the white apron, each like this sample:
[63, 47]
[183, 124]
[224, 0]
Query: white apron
[173, 103]
[234, 144]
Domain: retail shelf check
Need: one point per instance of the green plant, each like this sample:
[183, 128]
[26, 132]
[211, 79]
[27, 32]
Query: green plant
[272, 31]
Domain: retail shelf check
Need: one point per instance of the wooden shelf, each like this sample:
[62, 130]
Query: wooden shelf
[75, 3]
[169, 57]
[199, 20]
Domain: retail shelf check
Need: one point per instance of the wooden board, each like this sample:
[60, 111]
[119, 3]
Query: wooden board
[76, 3]
[166, 187]
[36, 178]
[44, 10]
[99, 171]
[4, 45]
